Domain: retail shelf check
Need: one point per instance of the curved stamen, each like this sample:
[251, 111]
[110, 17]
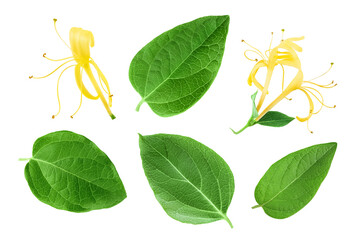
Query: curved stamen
[307, 125]
[52, 71]
[267, 53]
[57, 91]
[56, 60]
[257, 50]
[102, 86]
[331, 64]
[249, 50]
[102, 80]
[97, 89]
[322, 102]
[330, 85]
[59, 34]
[72, 116]
[107, 92]
[311, 107]
[272, 37]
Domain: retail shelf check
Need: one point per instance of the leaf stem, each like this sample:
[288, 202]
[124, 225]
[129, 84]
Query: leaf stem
[139, 105]
[250, 123]
[256, 206]
[228, 221]
[24, 159]
[245, 127]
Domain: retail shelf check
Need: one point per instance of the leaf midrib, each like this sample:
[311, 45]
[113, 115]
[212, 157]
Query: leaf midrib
[165, 80]
[70, 173]
[262, 205]
[197, 189]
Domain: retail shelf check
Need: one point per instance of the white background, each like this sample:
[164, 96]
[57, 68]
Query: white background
[121, 29]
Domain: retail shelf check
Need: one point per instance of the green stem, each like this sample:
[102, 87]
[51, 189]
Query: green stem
[24, 159]
[250, 123]
[139, 105]
[228, 221]
[256, 206]
[245, 127]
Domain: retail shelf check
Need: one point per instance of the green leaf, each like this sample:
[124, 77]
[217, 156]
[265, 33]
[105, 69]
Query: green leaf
[67, 171]
[275, 119]
[270, 119]
[174, 70]
[192, 183]
[293, 181]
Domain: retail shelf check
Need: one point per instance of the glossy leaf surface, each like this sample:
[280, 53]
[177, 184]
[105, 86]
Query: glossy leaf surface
[275, 119]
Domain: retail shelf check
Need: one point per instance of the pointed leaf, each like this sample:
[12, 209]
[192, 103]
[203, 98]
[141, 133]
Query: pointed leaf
[67, 171]
[191, 182]
[173, 71]
[275, 119]
[293, 181]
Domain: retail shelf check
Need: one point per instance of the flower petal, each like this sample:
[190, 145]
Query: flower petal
[80, 84]
[311, 107]
[252, 79]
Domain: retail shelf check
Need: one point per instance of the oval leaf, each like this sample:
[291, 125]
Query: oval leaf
[191, 182]
[173, 71]
[275, 119]
[293, 181]
[67, 171]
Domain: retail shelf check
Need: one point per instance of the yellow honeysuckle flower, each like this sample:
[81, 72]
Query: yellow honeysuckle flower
[80, 43]
[307, 87]
[285, 55]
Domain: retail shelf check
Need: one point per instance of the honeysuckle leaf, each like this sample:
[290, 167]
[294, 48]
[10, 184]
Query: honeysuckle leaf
[173, 71]
[275, 119]
[270, 119]
[191, 182]
[293, 181]
[67, 171]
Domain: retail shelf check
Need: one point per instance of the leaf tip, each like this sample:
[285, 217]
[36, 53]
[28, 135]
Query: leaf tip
[141, 137]
[333, 145]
